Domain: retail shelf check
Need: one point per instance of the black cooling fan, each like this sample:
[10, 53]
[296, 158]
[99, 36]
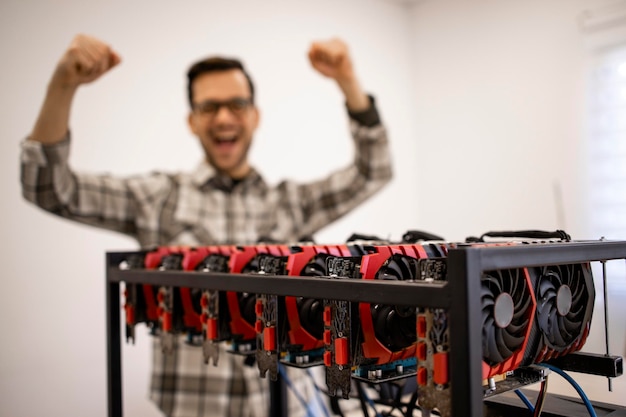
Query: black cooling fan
[265, 263]
[316, 267]
[564, 303]
[394, 326]
[398, 267]
[310, 310]
[213, 263]
[506, 313]
[247, 301]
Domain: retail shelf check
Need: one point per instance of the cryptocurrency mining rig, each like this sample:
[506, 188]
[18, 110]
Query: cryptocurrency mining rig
[454, 323]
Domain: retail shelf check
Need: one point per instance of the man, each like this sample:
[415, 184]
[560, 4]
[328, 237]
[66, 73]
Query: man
[223, 201]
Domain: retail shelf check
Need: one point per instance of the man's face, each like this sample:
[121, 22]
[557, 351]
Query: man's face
[224, 120]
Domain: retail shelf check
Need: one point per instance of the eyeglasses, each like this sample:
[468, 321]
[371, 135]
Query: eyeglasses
[237, 106]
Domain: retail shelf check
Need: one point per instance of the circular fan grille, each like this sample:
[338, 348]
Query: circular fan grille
[562, 298]
[394, 326]
[506, 306]
[311, 310]
[247, 301]
[213, 263]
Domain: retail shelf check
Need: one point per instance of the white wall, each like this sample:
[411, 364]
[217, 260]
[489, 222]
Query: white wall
[52, 309]
[498, 111]
[483, 100]
[500, 89]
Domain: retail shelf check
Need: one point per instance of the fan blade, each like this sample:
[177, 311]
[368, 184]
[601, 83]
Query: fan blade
[402, 332]
[517, 284]
[490, 339]
[389, 272]
[568, 274]
[570, 326]
[408, 266]
[543, 307]
[544, 286]
[577, 310]
[578, 292]
[314, 270]
[543, 317]
[549, 297]
[311, 316]
[567, 335]
[485, 292]
[512, 342]
[488, 302]
[521, 307]
[503, 348]
[486, 313]
[515, 328]
[406, 312]
[398, 267]
[555, 333]
[380, 319]
[490, 281]
[246, 305]
[487, 298]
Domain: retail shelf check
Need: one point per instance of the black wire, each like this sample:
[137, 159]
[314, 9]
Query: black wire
[406, 409]
[411, 405]
[334, 405]
[361, 392]
[541, 397]
[396, 403]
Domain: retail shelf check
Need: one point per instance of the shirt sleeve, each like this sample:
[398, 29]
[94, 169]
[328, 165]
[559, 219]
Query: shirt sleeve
[324, 201]
[368, 117]
[99, 200]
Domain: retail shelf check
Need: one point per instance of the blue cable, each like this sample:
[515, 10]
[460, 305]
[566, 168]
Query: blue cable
[282, 372]
[577, 387]
[370, 402]
[525, 400]
[318, 394]
[307, 407]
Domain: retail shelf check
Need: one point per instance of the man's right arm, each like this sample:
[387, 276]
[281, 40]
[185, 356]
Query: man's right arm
[46, 178]
[85, 60]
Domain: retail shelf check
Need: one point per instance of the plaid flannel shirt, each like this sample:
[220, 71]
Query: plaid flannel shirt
[202, 208]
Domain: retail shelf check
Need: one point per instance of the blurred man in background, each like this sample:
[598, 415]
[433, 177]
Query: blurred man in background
[224, 200]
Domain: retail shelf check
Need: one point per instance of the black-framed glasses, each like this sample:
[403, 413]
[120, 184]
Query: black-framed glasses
[237, 106]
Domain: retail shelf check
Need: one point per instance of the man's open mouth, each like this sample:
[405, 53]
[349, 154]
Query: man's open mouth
[224, 140]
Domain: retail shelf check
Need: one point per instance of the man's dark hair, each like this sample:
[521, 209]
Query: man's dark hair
[213, 64]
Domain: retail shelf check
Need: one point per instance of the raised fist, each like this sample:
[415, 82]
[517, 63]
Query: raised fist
[331, 58]
[86, 59]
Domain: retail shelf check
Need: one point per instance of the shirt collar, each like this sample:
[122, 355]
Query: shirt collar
[202, 174]
[205, 174]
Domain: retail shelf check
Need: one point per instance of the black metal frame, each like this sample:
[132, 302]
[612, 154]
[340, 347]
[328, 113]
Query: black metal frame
[458, 296]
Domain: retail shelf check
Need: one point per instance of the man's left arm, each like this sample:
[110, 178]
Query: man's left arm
[328, 199]
[332, 59]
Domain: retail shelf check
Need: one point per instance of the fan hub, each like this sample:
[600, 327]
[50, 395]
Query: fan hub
[563, 300]
[503, 310]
